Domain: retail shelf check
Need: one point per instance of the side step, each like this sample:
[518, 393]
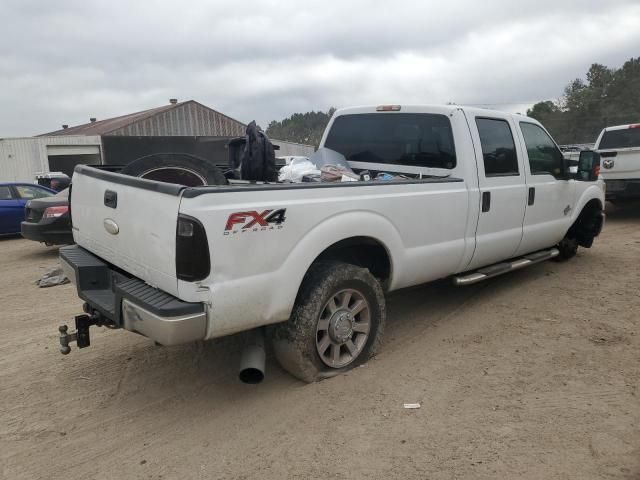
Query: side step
[499, 268]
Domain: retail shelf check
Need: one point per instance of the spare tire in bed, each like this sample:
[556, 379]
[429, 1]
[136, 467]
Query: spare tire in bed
[180, 168]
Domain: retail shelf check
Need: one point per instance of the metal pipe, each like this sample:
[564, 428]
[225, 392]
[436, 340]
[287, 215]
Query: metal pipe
[252, 361]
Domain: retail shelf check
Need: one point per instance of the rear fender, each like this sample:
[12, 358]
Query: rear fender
[273, 294]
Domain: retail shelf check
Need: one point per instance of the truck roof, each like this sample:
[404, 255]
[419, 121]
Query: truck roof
[426, 108]
[621, 127]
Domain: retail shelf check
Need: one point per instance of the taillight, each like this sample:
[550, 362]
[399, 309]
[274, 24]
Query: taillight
[55, 212]
[192, 250]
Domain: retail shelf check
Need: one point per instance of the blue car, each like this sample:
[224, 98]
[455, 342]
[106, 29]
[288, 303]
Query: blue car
[13, 198]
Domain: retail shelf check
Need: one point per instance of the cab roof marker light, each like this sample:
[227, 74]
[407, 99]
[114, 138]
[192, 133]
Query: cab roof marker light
[388, 108]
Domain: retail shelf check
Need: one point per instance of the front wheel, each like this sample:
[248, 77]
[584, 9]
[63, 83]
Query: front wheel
[336, 323]
[568, 248]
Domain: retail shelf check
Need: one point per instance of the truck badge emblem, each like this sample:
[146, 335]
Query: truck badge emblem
[111, 226]
[255, 221]
[608, 163]
[567, 209]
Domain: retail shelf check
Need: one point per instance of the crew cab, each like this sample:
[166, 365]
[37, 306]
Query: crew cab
[619, 148]
[474, 193]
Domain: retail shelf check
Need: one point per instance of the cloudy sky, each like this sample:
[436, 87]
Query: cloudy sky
[68, 60]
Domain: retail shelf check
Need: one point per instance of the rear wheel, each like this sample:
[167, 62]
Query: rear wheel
[180, 168]
[336, 323]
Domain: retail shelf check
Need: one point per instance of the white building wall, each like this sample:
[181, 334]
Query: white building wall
[22, 158]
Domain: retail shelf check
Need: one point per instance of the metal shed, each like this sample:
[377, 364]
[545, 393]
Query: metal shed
[185, 127]
[188, 118]
[22, 158]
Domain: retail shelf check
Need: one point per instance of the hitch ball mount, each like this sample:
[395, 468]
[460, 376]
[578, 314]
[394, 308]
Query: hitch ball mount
[81, 335]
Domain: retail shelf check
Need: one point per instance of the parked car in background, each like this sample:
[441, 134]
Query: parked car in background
[48, 220]
[13, 198]
[57, 181]
[619, 148]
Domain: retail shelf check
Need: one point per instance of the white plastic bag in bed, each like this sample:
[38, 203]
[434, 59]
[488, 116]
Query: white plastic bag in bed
[294, 171]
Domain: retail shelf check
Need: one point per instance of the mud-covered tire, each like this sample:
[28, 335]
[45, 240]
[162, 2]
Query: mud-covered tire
[568, 248]
[295, 342]
[180, 168]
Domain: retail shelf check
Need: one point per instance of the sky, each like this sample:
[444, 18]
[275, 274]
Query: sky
[63, 62]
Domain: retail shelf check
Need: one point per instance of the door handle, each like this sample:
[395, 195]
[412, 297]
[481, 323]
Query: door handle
[532, 196]
[486, 201]
[110, 199]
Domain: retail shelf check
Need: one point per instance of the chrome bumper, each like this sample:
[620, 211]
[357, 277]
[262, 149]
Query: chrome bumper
[129, 303]
[164, 330]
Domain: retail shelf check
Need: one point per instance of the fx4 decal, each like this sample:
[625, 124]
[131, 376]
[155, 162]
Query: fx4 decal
[255, 221]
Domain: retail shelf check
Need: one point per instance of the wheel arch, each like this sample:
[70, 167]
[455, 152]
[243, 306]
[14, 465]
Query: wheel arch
[593, 196]
[587, 222]
[361, 250]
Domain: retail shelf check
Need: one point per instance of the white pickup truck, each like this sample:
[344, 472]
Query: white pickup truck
[619, 148]
[483, 193]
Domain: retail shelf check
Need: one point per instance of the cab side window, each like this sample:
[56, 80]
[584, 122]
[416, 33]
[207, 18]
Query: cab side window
[498, 147]
[544, 156]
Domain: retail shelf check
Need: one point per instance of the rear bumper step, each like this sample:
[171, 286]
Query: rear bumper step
[130, 303]
[485, 273]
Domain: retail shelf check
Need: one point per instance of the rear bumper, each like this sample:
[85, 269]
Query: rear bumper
[55, 233]
[130, 303]
[618, 189]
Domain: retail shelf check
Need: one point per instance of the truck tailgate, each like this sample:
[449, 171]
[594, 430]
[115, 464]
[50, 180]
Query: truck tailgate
[128, 222]
[620, 164]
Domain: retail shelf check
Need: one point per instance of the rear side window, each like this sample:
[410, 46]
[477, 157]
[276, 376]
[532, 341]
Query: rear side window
[415, 139]
[544, 156]
[28, 192]
[498, 147]
[5, 193]
[627, 138]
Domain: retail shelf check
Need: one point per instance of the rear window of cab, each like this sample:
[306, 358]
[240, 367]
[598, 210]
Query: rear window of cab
[623, 138]
[414, 139]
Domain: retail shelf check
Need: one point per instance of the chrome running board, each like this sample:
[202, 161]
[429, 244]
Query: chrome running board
[504, 267]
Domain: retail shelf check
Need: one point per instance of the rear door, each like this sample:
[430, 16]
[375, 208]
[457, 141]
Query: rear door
[129, 222]
[502, 188]
[550, 196]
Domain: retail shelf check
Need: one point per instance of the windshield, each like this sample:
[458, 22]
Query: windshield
[626, 138]
[416, 139]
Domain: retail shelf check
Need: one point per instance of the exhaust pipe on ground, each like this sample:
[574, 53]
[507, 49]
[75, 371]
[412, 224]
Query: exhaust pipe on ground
[252, 361]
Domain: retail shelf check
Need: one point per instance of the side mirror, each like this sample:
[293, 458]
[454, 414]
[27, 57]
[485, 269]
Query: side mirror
[588, 166]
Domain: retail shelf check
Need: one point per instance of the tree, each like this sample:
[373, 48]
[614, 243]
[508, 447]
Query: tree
[304, 128]
[607, 97]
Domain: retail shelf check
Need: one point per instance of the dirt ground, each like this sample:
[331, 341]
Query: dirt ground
[535, 374]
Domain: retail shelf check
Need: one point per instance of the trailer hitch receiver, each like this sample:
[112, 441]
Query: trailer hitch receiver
[81, 335]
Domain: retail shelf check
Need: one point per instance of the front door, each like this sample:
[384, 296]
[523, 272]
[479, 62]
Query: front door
[502, 189]
[550, 196]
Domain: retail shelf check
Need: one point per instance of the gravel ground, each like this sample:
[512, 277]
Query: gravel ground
[535, 374]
